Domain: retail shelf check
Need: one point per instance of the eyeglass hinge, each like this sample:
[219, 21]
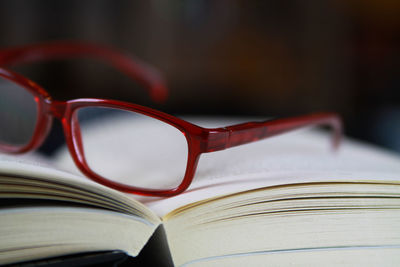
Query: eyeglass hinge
[217, 139]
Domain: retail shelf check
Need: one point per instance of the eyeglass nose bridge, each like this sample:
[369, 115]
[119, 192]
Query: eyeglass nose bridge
[48, 110]
[55, 108]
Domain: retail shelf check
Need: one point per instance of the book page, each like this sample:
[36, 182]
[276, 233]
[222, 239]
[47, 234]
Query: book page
[300, 156]
[286, 219]
[42, 205]
[38, 232]
[22, 175]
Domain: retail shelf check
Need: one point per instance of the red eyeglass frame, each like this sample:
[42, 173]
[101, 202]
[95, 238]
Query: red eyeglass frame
[200, 140]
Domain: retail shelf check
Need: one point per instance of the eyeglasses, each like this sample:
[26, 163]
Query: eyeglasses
[156, 155]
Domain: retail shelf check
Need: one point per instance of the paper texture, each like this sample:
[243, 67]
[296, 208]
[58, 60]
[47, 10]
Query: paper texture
[301, 156]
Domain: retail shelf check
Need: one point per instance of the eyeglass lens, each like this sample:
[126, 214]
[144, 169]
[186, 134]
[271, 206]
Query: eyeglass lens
[18, 114]
[131, 148]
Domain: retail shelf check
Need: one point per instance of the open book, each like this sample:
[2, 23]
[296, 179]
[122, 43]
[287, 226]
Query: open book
[284, 200]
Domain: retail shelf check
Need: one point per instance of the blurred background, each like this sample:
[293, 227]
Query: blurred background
[229, 57]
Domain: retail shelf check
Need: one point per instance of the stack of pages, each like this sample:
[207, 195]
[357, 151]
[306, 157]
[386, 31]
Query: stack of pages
[286, 200]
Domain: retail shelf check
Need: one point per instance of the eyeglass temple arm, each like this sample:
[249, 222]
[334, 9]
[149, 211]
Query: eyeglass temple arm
[235, 135]
[135, 69]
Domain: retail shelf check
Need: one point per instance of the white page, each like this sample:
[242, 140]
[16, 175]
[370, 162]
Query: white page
[291, 158]
[301, 156]
[41, 168]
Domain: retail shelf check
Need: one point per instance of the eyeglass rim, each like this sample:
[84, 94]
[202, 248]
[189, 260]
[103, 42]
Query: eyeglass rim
[195, 136]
